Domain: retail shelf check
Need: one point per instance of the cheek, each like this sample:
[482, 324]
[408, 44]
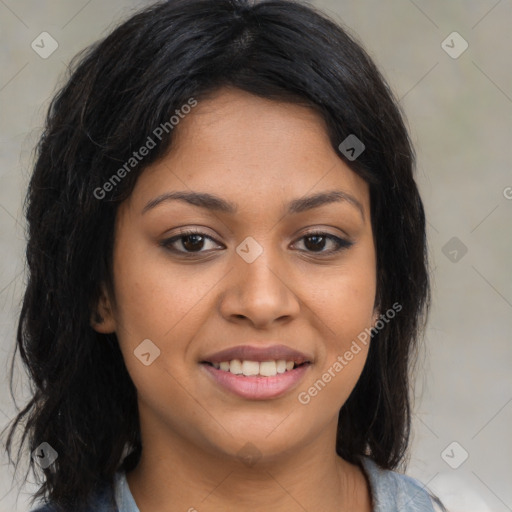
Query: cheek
[159, 301]
[152, 294]
[347, 319]
[344, 304]
[345, 301]
[154, 303]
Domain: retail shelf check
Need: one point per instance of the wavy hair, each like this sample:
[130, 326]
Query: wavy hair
[117, 92]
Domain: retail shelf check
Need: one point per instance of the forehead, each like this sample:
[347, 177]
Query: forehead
[236, 125]
[248, 148]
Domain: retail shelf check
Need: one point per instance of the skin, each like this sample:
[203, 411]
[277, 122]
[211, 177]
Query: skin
[261, 155]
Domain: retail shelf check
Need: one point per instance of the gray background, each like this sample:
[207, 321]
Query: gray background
[459, 113]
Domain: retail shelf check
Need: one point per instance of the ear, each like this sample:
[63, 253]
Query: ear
[102, 318]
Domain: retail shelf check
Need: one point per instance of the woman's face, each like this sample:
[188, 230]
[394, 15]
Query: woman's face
[255, 277]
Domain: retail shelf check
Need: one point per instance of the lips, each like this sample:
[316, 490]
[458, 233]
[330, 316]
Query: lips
[256, 387]
[257, 373]
[259, 354]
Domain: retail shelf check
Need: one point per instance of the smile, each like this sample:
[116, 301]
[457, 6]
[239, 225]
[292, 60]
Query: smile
[256, 380]
[252, 368]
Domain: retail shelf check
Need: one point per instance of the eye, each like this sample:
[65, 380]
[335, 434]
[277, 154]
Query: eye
[192, 241]
[315, 242]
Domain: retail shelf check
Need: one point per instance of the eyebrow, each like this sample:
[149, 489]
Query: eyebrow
[215, 203]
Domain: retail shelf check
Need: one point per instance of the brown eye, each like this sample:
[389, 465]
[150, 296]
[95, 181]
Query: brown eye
[192, 242]
[189, 241]
[316, 242]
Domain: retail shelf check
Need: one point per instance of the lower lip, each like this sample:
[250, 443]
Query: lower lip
[256, 387]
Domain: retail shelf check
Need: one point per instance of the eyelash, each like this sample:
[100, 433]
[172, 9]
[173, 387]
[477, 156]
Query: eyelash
[341, 243]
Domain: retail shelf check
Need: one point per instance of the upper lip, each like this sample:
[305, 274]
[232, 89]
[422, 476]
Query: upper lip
[252, 353]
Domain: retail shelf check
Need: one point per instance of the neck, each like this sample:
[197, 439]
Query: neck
[177, 476]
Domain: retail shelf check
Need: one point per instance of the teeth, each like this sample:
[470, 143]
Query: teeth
[251, 368]
[235, 367]
[268, 368]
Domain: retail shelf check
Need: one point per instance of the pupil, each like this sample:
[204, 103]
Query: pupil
[316, 242]
[192, 246]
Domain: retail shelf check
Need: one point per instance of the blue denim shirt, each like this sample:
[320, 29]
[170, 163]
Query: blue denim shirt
[391, 492]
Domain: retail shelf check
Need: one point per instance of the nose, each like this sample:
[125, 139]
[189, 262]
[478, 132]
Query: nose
[260, 293]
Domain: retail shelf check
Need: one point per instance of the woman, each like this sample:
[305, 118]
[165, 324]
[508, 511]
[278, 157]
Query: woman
[227, 270]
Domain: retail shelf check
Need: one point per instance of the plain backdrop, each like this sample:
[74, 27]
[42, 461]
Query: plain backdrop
[458, 104]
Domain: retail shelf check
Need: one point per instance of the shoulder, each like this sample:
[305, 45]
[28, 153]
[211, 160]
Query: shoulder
[395, 491]
[102, 500]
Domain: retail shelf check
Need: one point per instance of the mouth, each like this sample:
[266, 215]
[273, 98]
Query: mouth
[265, 369]
[253, 380]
